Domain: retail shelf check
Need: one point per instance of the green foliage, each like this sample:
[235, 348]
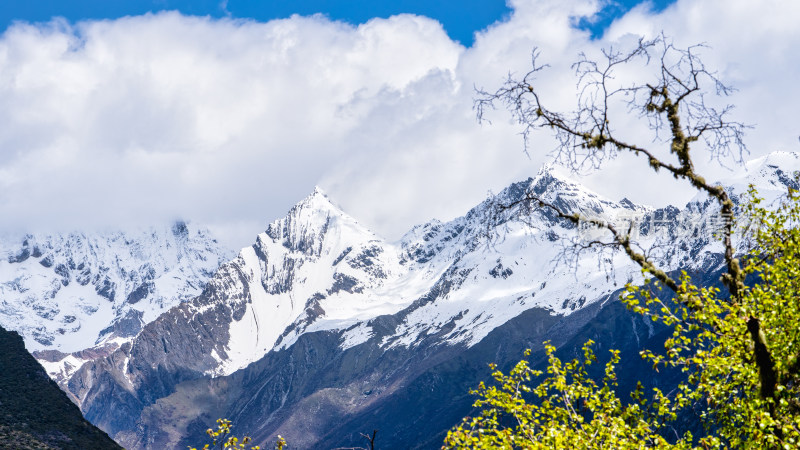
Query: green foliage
[222, 438]
[571, 410]
[737, 347]
[740, 356]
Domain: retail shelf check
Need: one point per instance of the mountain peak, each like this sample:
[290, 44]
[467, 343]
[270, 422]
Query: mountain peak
[316, 200]
[549, 180]
[313, 211]
[553, 180]
[771, 174]
[777, 159]
[318, 192]
[313, 215]
[554, 170]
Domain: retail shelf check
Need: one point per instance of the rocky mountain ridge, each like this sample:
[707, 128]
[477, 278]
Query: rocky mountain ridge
[76, 296]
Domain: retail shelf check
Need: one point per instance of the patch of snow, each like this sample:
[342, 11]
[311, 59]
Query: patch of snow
[356, 335]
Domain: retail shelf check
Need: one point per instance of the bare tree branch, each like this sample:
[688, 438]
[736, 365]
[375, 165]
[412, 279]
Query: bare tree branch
[673, 105]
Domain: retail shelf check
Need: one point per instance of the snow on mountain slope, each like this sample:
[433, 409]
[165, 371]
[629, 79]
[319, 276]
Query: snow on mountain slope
[315, 262]
[771, 174]
[318, 269]
[312, 262]
[503, 262]
[69, 292]
[463, 278]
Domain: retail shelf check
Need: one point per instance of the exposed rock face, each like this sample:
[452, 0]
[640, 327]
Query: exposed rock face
[321, 330]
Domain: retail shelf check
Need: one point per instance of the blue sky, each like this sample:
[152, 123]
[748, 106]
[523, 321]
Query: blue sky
[459, 18]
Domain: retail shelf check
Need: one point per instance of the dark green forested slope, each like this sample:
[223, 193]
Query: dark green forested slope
[34, 413]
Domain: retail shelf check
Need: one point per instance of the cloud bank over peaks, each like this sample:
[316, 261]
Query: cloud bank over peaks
[163, 115]
[230, 122]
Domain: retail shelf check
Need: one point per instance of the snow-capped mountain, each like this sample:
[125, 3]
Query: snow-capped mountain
[320, 313]
[65, 293]
[318, 269]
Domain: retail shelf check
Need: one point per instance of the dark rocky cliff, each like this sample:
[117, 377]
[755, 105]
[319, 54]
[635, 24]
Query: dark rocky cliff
[34, 412]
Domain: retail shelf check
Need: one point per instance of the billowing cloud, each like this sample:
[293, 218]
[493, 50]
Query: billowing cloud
[229, 122]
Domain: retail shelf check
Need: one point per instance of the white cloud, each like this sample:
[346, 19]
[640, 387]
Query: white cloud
[230, 122]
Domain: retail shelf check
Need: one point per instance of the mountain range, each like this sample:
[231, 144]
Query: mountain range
[75, 296]
[322, 330]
